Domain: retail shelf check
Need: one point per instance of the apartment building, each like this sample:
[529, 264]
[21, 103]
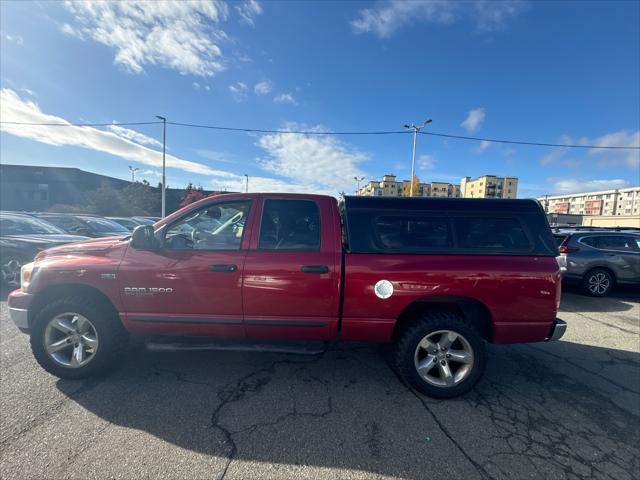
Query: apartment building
[489, 186]
[390, 187]
[624, 201]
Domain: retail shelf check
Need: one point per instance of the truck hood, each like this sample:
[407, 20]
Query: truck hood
[98, 246]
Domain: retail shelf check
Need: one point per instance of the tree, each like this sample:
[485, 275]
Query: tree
[407, 187]
[140, 198]
[191, 194]
[105, 200]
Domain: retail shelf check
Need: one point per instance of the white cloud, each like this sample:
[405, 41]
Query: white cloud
[180, 35]
[134, 136]
[263, 88]
[388, 16]
[248, 11]
[315, 163]
[474, 120]
[217, 156]
[604, 157]
[72, 32]
[238, 91]
[564, 185]
[15, 109]
[301, 163]
[285, 98]
[482, 146]
[426, 162]
[17, 39]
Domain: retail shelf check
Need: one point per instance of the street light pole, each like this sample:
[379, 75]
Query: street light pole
[164, 149]
[133, 173]
[415, 129]
[358, 180]
[247, 183]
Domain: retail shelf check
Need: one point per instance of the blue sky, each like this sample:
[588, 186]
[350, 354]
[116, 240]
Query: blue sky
[561, 72]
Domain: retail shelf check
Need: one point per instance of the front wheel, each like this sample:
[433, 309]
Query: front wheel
[76, 337]
[441, 355]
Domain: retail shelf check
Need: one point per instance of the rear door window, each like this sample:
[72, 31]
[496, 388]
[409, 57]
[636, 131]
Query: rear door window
[412, 233]
[290, 225]
[620, 243]
[488, 233]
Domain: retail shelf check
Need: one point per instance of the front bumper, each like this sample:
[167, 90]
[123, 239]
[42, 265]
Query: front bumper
[20, 317]
[18, 303]
[557, 330]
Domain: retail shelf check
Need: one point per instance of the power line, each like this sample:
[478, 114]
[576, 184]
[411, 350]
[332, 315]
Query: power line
[516, 142]
[297, 132]
[321, 133]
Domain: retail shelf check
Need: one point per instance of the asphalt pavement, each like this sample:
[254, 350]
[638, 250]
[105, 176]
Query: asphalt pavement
[567, 409]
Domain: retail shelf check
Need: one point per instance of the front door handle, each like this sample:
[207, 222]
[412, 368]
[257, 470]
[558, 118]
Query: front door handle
[222, 267]
[315, 269]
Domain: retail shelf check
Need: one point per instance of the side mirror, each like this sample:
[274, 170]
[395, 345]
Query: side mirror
[143, 238]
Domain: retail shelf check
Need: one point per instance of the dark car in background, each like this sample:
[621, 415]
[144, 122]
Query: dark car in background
[146, 220]
[599, 259]
[21, 238]
[129, 223]
[87, 225]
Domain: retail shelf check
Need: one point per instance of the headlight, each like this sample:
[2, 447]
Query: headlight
[25, 275]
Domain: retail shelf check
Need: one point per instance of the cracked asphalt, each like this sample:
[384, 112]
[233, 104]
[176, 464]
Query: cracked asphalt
[569, 409]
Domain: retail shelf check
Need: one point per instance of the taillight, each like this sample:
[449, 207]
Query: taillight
[567, 249]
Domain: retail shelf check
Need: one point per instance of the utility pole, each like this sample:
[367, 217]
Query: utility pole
[358, 180]
[164, 149]
[247, 183]
[415, 129]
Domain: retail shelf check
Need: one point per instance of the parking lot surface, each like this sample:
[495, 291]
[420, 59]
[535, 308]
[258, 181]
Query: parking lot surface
[568, 409]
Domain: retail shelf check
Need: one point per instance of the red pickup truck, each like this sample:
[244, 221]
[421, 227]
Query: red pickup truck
[436, 277]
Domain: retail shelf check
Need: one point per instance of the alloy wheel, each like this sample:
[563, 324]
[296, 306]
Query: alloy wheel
[71, 340]
[11, 272]
[444, 358]
[599, 283]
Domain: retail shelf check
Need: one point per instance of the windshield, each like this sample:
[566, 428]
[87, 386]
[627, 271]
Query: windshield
[103, 225]
[27, 226]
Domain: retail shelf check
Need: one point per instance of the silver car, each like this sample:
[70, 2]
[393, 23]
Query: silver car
[599, 259]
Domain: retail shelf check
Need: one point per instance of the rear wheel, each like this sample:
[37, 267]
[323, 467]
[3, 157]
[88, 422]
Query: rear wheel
[598, 282]
[77, 337]
[441, 355]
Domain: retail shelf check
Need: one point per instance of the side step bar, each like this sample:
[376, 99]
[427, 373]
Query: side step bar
[182, 345]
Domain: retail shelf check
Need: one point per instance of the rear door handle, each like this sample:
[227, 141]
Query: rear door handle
[223, 267]
[315, 269]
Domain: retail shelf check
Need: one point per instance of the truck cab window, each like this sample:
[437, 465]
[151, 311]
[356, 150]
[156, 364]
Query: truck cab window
[290, 225]
[214, 227]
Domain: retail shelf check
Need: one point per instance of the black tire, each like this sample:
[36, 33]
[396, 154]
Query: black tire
[113, 338]
[429, 323]
[598, 282]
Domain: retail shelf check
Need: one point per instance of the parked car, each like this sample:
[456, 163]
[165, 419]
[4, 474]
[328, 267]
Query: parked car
[130, 223]
[21, 238]
[146, 220]
[598, 260]
[436, 277]
[88, 225]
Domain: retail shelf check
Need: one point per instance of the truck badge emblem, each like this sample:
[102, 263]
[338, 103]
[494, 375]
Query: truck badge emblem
[383, 289]
[146, 291]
